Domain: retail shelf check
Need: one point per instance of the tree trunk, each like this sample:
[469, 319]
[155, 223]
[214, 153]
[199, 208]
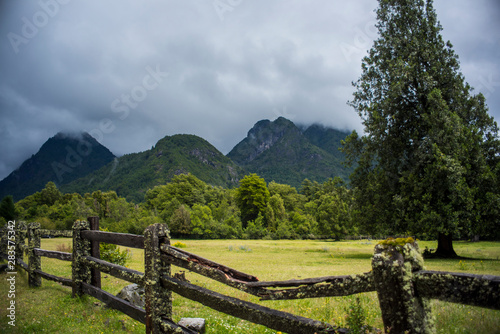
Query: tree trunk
[445, 246]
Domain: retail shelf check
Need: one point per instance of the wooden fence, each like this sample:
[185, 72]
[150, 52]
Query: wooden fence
[403, 287]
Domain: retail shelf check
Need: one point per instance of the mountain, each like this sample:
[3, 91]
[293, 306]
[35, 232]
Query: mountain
[326, 138]
[133, 174]
[280, 151]
[277, 150]
[61, 159]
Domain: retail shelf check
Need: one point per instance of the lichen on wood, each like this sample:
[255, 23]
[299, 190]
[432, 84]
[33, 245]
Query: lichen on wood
[21, 247]
[81, 248]
[34, 260]
[56, 233]
[274, 319]
[328, 287]
[402, 308]
[118, 271]
[158, 299]
[462, 288]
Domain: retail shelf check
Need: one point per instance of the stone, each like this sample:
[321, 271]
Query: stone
[196, 324]
[134, 294]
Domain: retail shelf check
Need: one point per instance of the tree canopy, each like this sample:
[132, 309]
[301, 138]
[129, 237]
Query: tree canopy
[429, 161]
[7, 209]
[252, 197]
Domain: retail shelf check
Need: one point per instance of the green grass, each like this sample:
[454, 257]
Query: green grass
[50, 309]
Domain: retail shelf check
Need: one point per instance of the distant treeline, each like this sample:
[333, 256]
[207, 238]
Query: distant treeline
[194, 209]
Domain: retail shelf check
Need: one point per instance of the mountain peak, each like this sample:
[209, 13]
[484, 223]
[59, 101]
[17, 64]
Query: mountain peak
[282, 152]
[261, 137]
[61, 159]
[133, 174]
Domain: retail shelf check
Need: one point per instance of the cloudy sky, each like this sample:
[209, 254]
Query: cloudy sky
[131, 72]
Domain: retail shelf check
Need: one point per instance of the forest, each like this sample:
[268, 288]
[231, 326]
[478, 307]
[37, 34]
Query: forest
[194, 209]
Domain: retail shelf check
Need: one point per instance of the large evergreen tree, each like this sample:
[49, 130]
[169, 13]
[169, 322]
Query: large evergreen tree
[7, 208]
[252, 197]
[429, 162]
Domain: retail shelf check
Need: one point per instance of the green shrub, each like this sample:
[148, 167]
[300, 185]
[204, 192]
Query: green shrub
[179, 244]
[113, 254]
[356, 317]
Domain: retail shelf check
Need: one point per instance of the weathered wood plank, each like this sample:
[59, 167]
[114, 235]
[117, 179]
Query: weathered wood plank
[461, 288]
[55, 233]
[309, 288]
[95, 274]
[277, 320]
[63, 280]
[212, 273]
[333, 286]
[300, 282]
[54, 254]
[229, 272]
[118, 271]
[119, 304]
[122, 239]
[22, 264]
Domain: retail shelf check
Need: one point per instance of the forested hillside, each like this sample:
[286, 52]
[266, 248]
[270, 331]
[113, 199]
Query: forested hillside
[132, 175]
[280, 151]
[61, 159]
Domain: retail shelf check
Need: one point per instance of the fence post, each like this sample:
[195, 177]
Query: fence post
[158, 299]
[81, 248]
[34, 261]
[4, 240]
[20, 240]
[393, 265]
[95, 279]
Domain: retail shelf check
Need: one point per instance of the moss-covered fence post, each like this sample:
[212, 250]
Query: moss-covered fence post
[3, 240]
[21, 230]
[393, 265]
[81, 248]
[34, 261]
[158, 299]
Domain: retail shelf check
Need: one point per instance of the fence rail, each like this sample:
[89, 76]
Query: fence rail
[397, 275]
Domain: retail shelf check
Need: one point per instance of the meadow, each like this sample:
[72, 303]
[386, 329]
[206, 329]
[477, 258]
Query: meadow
[50, 308]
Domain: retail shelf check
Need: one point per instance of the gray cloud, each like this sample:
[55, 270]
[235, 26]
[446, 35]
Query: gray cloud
[69, 65]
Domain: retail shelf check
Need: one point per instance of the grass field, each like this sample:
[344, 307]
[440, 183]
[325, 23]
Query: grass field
[50, 309]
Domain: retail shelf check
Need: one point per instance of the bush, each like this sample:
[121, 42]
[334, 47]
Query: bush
[356, 317]
[113, 254]
[179, 244]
